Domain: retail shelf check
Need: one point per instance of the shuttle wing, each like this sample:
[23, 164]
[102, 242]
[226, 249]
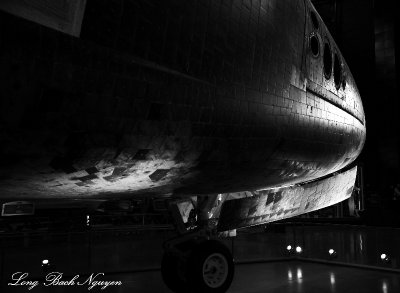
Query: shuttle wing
[276, 204]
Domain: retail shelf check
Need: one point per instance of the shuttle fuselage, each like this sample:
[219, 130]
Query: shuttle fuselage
[174, 97]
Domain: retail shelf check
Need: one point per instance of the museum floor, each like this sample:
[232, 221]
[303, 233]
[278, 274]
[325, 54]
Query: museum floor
[263, 262]
[287, 276]
[269, 277]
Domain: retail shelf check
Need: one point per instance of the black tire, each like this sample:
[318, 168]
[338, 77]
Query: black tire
[206, 251]
[170, 273]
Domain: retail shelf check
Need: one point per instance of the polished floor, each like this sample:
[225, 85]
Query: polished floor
[271, 277]
[112, 251]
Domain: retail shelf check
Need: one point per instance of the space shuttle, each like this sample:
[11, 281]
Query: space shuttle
[239, 113]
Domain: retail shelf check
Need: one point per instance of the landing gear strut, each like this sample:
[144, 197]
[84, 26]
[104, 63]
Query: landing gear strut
[195, 262]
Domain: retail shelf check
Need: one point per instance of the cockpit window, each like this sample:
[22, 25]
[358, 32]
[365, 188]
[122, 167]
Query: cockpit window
[327, 61]
[314, 45]
[314, 20]
[337, 71]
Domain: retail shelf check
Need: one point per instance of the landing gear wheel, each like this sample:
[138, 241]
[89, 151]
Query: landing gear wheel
[171, 274]
[210, 268]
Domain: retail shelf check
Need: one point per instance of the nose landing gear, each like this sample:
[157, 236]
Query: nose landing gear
[194, 261]
[206, 267]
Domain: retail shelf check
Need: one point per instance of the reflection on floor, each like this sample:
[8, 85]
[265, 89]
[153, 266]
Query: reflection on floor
[310, 277]
[272, 277]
